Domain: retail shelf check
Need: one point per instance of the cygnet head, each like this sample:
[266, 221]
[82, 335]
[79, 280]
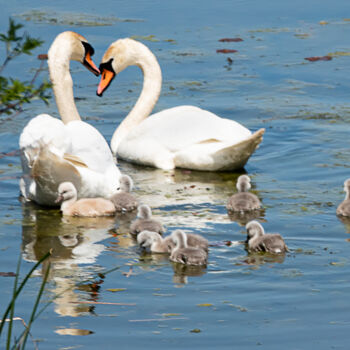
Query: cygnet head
[254, 228]
[147, 238]
[66, 191]
[243, 183]
[126, 183]
[179, 238]
[144, 211]
[347, 187]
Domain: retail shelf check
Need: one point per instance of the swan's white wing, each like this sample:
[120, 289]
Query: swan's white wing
[90, 146]
[181, 127]
[44, 130]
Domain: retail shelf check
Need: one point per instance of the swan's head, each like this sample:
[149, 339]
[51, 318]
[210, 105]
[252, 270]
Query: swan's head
[120, 54]
[146, 238]
[243, 183]
[254, 228]
[66, 191]
[73, 46]
[126, 183]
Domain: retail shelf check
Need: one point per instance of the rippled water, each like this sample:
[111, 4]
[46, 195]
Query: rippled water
[299, 301]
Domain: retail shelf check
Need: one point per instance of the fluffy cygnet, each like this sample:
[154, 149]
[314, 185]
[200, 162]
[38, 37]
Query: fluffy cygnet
[193, 241]
[154, 241]
[258, 241]
[124, 200]
[145, 222]
[344, 207]
[243, 200]
[67, 194]
[184, 254]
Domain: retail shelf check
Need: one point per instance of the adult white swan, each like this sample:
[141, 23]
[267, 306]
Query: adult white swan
[54, 151]
[184, 136]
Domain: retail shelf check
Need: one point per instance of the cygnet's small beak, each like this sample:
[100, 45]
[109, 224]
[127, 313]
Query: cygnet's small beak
[59, 199]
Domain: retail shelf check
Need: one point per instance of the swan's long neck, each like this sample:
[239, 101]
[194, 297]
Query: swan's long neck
[62, 82]
[152, 84]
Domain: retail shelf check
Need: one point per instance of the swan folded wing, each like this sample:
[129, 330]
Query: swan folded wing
[48, 172]
[218, 156]
[180, 127]
[89, 146]
[42, 131]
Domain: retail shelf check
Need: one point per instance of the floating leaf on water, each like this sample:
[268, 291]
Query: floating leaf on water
[226, 51]
[73, 331]
[318, 58]
[71, 18]
[337, 263]
[228, 40]
[339, 53]
[270, 30]
[195, 330]
[116, 289]
[205, 305]
[7, 274]
[302, 36]
[240, 308]
[145, 38]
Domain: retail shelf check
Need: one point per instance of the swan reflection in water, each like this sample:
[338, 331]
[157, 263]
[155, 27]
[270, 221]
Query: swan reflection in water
[75, 244]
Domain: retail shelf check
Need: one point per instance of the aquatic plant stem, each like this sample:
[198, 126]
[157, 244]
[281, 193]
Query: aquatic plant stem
[12, 309]
[42, 287]
[16, 292]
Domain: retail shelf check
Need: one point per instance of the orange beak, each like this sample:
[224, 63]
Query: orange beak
[106, 78]
[90, 65]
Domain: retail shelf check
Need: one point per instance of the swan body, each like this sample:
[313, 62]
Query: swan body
[184, 136]
[184, 254]
[145, 222]
[89, 207]
[53, 150]
[258, 241]
[124, 201]
[243, 200]
[344, 207]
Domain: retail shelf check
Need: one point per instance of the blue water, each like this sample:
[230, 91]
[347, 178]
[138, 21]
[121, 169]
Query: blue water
[241, 301]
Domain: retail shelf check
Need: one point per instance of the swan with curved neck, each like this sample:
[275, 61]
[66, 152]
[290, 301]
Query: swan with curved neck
[55, 151]
[184, 136]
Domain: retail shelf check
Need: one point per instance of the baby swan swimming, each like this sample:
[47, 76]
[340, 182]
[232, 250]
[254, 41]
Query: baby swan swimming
[344, 207]
[124, 200]
[154, 241]
[258, 241]
[145, 222]
[90, 207]
[184, 254]
[193, 241]
[243, 200]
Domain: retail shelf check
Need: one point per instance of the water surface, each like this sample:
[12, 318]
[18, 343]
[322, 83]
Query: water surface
[245, 301]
